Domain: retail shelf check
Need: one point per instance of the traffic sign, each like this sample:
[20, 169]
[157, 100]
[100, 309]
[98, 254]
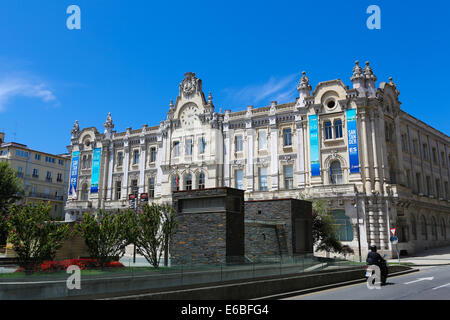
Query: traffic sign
[393, 231]
[144, 196]
[394, 240]
[132, 196]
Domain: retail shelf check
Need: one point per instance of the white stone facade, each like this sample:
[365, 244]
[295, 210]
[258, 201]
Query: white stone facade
[400, 180]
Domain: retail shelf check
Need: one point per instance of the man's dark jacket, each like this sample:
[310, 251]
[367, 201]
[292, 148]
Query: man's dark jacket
[374, 258]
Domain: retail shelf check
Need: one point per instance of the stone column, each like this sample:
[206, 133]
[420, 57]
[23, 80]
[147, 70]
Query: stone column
[274, 157]
[383, 149]
[160, 160]
[438, 150]
[398, 139]
[110, 171]
[103, 176]
[448, 168]
[423, 182]
[371, 239]
[377, 186]
[300, 154]
[126, 166]
[367, 182]
[382, 223]
[142, 162]
[227, 150]
[249, 143]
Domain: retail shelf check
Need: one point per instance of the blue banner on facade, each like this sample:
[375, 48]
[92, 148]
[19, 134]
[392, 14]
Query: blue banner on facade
[352, 133]
[74, 172]
[314, 145]
[95, 170]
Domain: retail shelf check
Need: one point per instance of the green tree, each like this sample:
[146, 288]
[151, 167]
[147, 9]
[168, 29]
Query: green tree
[10, 191]
[154, 228]
[106, 235]
[34, 235]
[325, 235]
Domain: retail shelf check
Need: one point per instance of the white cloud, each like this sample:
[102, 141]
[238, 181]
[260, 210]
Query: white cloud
[278, 89]
[11, 87]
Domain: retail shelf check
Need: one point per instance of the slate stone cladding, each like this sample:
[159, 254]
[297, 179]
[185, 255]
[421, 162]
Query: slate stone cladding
[210, 226]
[212, 229]
[270, 228]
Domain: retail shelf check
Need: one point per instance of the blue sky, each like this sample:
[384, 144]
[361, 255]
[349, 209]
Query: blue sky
[130, 56]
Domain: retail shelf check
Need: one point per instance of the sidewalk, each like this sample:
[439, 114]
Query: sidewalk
[431, 257]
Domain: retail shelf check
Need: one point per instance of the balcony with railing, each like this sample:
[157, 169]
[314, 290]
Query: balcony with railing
[45, 196]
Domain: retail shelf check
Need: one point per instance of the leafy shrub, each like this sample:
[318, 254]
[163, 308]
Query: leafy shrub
[34, 234]
[106, 235]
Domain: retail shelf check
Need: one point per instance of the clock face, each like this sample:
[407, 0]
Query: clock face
[189, 115]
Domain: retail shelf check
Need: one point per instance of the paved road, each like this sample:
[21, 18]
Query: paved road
[435, 286]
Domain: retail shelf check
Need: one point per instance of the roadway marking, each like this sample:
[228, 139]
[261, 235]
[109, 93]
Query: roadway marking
[420, 279]
[445, 285]
[347, 286]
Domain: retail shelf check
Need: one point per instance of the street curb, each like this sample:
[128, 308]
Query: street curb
[430, 265]
[330, 286]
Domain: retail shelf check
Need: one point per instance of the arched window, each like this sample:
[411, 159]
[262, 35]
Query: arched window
[188, 182]
[201, 180]
[328, 130]
[84, 192]
[338, 129]
[414, 227]
[443, 231]
[335, 173]
[423, 223]
[434, 228]
[344, 226]
[176, 183]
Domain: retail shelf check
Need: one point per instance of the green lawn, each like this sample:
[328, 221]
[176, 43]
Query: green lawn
[89, 273]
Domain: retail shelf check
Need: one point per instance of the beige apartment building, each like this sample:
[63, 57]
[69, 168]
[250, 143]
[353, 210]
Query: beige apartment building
[44, 176]
[356, 147]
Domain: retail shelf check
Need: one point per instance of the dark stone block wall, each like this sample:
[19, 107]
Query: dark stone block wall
[279, 227]
[210, 226]
[216, 226]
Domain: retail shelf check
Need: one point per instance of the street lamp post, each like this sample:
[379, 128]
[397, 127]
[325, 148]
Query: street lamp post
[357, 224]
[135, 205]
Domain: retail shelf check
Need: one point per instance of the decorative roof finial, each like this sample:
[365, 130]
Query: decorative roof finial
[304, 82]
[109, 124]
[357, 71]
[368, 73]
[75, 130]
[210, 98]
[76, 126]
[171, 104]
[391, 82]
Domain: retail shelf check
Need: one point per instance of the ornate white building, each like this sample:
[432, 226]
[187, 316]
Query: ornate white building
[354, 147]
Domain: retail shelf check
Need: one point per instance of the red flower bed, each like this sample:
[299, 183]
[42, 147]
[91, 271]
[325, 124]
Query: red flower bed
[84, 264]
